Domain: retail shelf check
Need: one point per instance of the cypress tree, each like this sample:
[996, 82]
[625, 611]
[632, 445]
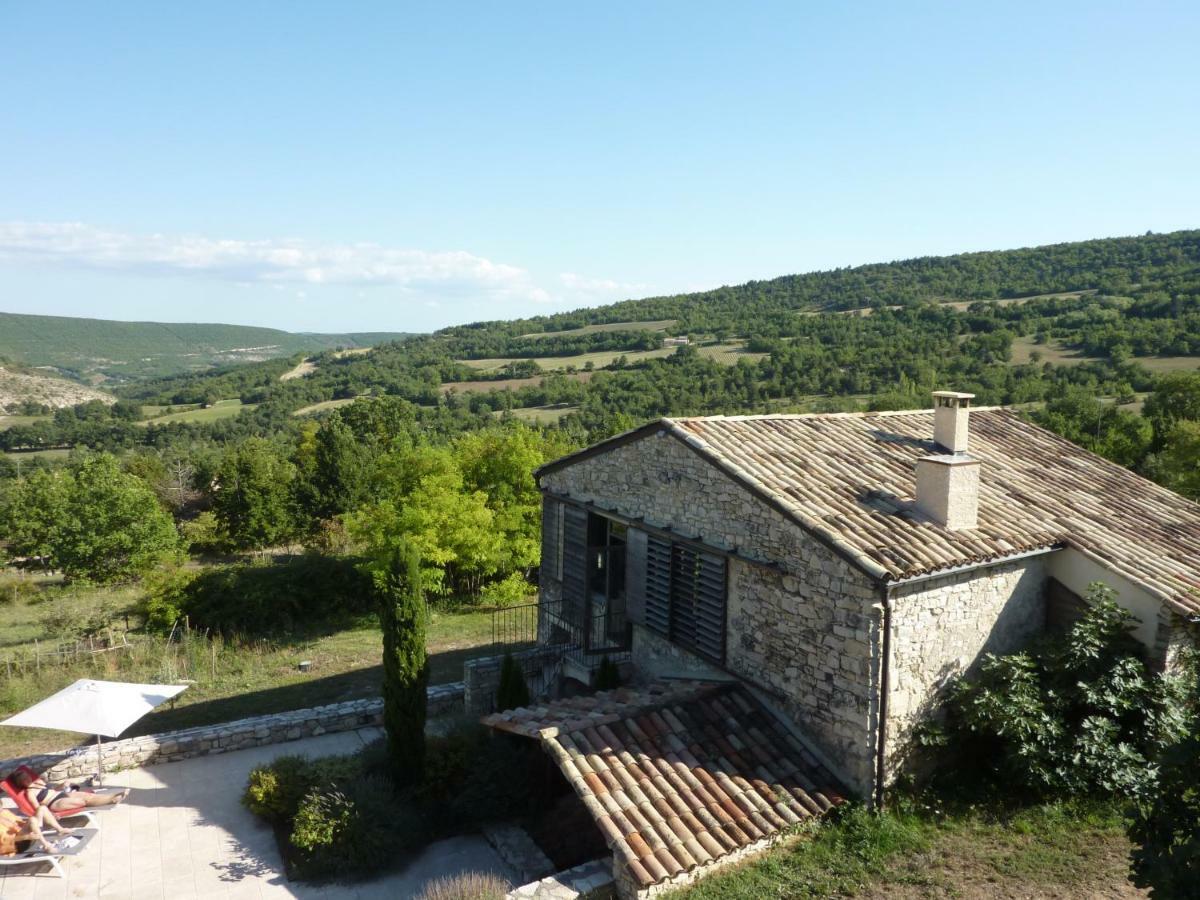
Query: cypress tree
[512, 690]
[405, 668]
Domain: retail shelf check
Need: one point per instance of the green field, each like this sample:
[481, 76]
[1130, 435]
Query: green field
[727, 353]
[10, 421]
[659, 325]
[222, 409]
[322, 406]
[53, 453]
[542, 415]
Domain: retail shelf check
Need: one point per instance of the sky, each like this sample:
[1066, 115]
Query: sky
[360, 166]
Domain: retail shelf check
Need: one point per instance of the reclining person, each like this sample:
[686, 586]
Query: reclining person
[18, 834]
[62, 800]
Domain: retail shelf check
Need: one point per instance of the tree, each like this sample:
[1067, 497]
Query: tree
[405, 668]
[253, 496]
[1177, 465]
[113, 526]
[1176, 397]
[1167, 829]
[31, 514]
[341, 467]
[512, 692]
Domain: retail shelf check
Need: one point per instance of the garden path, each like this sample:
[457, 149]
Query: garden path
[184, 835]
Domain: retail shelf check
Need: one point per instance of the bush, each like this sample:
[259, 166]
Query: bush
[276, 790]
[468, 886]
[16, 590]
[1081, 715]
[512, 692]
[354, 829]
[260, 599]
[608, 676]
[511, 591]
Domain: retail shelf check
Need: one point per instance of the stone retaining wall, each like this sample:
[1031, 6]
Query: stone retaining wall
[481, 677]
[223, 737]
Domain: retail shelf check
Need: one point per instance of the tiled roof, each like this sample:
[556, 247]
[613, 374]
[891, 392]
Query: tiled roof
[850, 479]
[680, 774]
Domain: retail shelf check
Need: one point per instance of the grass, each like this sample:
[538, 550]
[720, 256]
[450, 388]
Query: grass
[222, 409]
[1161, 364]
[657, 325]
[10, 421]
[727, 353]
[542, 415]
[1075, 849]
[232, 679]
[1051, 352]
[52, 453]
[323, 405]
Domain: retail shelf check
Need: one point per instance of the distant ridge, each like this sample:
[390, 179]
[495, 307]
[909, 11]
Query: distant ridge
[98, 350]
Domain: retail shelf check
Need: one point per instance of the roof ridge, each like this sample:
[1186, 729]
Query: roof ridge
[862, 414]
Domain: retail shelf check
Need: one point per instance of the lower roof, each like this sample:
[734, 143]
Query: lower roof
[678, 775]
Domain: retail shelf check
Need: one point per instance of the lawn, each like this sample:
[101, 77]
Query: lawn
[1046, 850]
[222, 409]
[52, 453]
[232, 679]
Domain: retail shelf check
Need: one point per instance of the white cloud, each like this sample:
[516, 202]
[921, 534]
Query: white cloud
[272, 262]
[586, 291]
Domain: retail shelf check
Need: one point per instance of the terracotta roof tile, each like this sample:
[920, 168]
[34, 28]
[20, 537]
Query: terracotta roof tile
[662, 777]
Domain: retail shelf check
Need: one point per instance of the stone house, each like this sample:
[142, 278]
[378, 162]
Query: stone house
[841, 569]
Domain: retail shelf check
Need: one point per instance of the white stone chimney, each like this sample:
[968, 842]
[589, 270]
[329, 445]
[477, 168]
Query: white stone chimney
[948, 482]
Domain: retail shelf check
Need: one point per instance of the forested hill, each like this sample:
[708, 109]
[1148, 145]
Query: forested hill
[92, 349]
[1109, 265]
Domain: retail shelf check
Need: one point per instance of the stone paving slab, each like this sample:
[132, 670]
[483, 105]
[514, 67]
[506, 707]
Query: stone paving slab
[184, 835]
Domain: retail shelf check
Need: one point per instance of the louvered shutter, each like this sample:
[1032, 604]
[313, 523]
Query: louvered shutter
[709, 606]
[684, 565]
[574, 565]
[658, 586]
[635, 576]
[551, 538]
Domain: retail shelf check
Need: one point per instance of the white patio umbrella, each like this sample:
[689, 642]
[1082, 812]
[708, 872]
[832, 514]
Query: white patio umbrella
[102, 708]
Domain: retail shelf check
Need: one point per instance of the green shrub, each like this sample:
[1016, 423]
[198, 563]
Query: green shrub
[512, 691]
[275, 790]
[511, 591]
[1080, 715]
[402, 617]
[16, 590]
[299, 594]
[608, 676]
[354, 829]
[166, 597]
[468, 886]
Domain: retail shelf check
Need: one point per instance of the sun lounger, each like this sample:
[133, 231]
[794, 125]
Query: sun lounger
[67, 845]
[27, 808]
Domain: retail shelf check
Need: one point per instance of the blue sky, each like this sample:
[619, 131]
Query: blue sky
[388, 166]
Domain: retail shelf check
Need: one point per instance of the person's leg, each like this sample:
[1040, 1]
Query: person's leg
[102, 799]
[47, 818]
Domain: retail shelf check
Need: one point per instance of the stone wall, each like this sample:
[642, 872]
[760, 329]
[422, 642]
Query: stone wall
[147, 750]
[942, 627]
[804, 630]
[481, 677]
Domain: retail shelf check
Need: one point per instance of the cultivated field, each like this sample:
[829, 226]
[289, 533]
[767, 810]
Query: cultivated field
[302, 368]
[541, 415]
[727, 353]
[323, 405]
[475, 387]
[659, 325]
[222, 409]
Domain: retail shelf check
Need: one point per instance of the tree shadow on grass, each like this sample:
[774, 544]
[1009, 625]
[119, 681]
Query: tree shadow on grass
[444, 667]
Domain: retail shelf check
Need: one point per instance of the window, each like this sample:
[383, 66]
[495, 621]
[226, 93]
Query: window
[685, 596]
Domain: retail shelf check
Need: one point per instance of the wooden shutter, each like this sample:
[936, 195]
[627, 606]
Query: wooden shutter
[657, 600]
[709, 606]
[635, 576]
[551, 538]
[574, 565]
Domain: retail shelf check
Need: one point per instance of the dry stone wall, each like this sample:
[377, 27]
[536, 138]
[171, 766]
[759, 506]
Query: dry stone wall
[942, 627]
[171, 746]
[803, 626]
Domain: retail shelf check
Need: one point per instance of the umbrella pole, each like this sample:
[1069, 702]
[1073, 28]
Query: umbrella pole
[99, 762]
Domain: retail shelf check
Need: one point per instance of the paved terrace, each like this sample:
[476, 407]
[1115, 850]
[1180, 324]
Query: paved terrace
[183, 835]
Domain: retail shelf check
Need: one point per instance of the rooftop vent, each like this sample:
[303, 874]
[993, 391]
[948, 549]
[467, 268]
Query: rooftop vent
[948, 483]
